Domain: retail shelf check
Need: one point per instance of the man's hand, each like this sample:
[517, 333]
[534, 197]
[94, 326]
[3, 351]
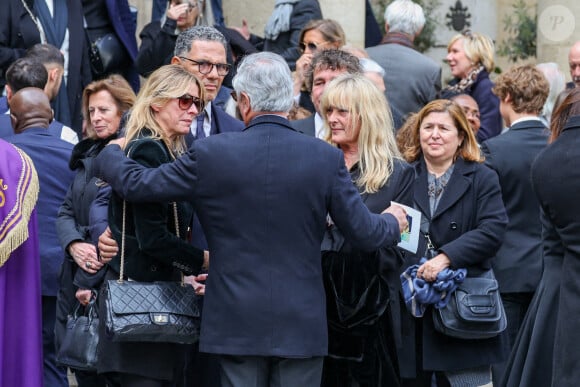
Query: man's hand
[197, 282]
[401, 215]
[118, 141]
[176, 10]
[85, 255]
[244, 30]
[108, 247]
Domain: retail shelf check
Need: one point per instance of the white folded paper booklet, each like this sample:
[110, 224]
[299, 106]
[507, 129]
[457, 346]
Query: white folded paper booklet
[410, 237]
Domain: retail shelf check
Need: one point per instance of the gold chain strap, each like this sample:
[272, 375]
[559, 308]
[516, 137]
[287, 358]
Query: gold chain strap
[122, 268]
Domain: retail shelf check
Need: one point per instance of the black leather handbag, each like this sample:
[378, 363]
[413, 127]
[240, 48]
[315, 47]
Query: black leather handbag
[164, 312]
[475, 311]
[78, 349]
[107, 54]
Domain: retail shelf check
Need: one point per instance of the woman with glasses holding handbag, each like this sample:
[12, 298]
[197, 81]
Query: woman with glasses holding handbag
[152, 235]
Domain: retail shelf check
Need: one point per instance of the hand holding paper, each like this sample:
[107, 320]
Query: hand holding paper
[409, 235]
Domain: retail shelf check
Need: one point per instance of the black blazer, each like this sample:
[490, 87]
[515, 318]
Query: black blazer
[518, 263]
[468, 226]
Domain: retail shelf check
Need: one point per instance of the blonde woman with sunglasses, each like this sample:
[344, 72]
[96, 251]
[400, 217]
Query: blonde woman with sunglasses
[168, 102]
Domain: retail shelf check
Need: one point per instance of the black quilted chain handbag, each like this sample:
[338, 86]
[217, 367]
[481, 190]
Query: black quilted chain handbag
[164, 312]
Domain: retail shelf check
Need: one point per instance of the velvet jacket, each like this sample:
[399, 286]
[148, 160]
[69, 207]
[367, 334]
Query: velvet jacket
[153, 252]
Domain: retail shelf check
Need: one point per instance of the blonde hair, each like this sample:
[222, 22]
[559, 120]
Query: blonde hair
[468, 149]
[164, 84]
[478, 48]
[368, 108]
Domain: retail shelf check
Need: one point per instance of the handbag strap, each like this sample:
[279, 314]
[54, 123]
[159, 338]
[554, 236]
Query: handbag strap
[123, 223]
[424, 228]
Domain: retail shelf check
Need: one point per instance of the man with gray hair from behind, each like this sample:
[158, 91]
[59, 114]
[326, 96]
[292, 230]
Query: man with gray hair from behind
[263, 196]
[412, 79]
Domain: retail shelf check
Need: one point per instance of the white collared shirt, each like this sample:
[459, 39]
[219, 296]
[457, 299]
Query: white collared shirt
[206, 122]
[319, 126]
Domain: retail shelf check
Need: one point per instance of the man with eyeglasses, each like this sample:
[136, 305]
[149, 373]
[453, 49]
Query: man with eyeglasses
[412, 79]
[202, 51]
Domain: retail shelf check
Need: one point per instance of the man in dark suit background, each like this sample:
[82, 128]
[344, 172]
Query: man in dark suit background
[264, 210]
[412, 79]
[31, 113]
[522, 91]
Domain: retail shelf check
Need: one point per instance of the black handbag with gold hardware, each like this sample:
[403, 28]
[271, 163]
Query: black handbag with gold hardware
[152, 312]
[166, 312]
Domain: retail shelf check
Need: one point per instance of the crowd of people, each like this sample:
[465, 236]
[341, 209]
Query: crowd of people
[274, 175]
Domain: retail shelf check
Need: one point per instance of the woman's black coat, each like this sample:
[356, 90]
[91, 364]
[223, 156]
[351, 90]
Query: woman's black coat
[467, 226]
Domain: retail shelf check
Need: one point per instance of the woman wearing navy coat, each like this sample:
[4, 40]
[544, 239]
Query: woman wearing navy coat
[470, 59]
[461, 199]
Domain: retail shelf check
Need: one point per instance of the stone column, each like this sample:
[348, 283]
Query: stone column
[558, 29]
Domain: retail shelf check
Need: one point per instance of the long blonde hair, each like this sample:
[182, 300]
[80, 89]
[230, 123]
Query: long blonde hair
[164, 84]
[368, 107]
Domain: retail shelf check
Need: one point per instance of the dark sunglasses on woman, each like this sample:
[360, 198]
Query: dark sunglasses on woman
[186, 100]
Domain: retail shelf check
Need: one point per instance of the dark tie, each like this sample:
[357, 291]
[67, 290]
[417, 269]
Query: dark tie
[200, 133]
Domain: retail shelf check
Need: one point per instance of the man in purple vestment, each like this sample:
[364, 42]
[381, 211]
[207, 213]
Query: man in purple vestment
[20, 308]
